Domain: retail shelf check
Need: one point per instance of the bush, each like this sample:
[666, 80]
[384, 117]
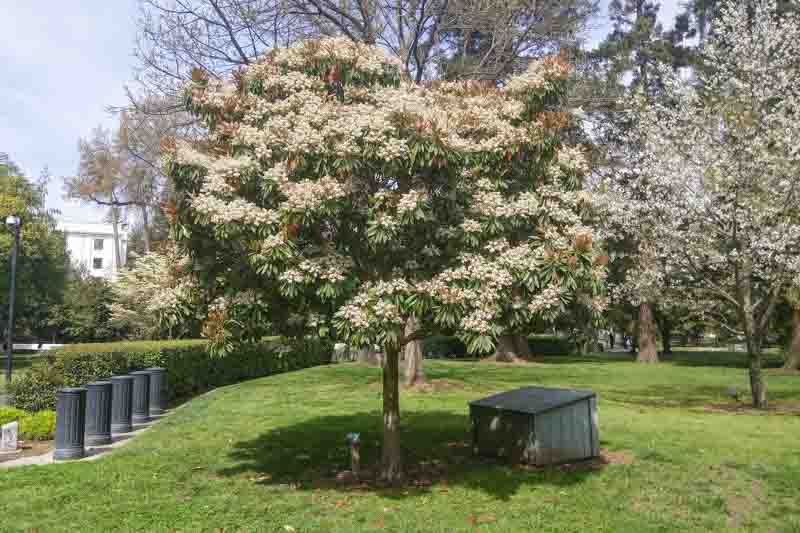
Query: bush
[446, 346]
[550, 345]
[36, 389]
[437, 346]
[38, 426]
[9, 414]
[191, 369]
[32, 426]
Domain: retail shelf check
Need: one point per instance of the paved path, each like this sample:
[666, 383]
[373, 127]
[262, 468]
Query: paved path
[92, 453]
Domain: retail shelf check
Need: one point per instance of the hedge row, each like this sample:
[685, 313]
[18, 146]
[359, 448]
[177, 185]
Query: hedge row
[437, 346]
[550, 345]
[191, 369]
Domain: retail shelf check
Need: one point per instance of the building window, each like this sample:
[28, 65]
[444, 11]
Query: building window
[98, 263]
[98, 244]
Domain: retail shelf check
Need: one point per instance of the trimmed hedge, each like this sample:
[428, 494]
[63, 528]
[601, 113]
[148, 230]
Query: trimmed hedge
[32, 426]
[437, 346]
[447, 346]
[190, 367]
[550, 345]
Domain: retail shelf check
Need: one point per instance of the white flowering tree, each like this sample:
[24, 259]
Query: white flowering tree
[719, 175]
[156, 296]
[638, 277]
[352, 200]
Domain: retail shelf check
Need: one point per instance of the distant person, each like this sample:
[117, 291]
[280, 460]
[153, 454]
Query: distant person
[611, 340]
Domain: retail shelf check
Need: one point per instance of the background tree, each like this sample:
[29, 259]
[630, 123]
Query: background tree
[632, 58]
[42, 257]
[156, 297]
[85, 312]
[141, 131]
[719, 166]
[361, 200]
[103, 178]
[219, 36]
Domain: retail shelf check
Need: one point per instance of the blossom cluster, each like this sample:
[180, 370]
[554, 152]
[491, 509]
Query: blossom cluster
[331, 268]
[309, 195]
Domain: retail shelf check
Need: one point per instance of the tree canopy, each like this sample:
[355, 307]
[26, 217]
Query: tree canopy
[344, 197]
[42, 258]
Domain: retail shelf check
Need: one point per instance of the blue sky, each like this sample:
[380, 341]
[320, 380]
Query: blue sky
[62, 63]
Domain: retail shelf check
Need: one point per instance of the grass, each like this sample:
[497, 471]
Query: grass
[258, 456]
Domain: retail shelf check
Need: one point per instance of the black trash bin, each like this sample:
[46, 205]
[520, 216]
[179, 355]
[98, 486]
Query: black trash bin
[70, 424]
[98, 413]
[121, 404]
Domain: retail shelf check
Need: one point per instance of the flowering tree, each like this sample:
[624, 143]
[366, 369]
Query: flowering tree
[638, 278]
[155, 297]
[349, 199]
[718, 175]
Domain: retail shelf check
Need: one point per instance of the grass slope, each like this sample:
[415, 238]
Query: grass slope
[250, 458]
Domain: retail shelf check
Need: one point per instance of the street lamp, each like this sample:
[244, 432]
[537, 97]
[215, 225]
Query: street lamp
[14, 223]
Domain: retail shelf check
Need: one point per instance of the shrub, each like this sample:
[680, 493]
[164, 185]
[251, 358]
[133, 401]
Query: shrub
[448, 346]
[36, 389]
[191, 369]
[550, 345]
[38, 426]
[443, 346]
[9, 414]
[32, 426]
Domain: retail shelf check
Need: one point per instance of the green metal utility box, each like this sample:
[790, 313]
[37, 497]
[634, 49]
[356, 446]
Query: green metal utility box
[536, 425]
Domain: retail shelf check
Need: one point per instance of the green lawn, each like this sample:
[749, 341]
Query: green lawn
[259, 456]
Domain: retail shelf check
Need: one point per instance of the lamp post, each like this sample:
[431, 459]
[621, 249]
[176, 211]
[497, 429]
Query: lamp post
[13, 222]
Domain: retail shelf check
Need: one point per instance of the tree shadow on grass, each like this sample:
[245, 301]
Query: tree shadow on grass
[687, 396]
[436, 447]
[719, 359]
[678, 358]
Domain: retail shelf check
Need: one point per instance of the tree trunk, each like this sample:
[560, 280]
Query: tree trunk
[753, 334]
[523, 349]
[115, 228]
[392, 460]
[793, 352]
[146, 229]
[758, 388]
[506, 351]
[580, 345]
[413, 357]
[647, 335]
[369, 356]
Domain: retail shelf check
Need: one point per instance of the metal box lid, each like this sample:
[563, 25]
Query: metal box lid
[533, 400]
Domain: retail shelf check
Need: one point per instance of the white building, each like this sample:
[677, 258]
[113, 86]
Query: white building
[92, 246]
